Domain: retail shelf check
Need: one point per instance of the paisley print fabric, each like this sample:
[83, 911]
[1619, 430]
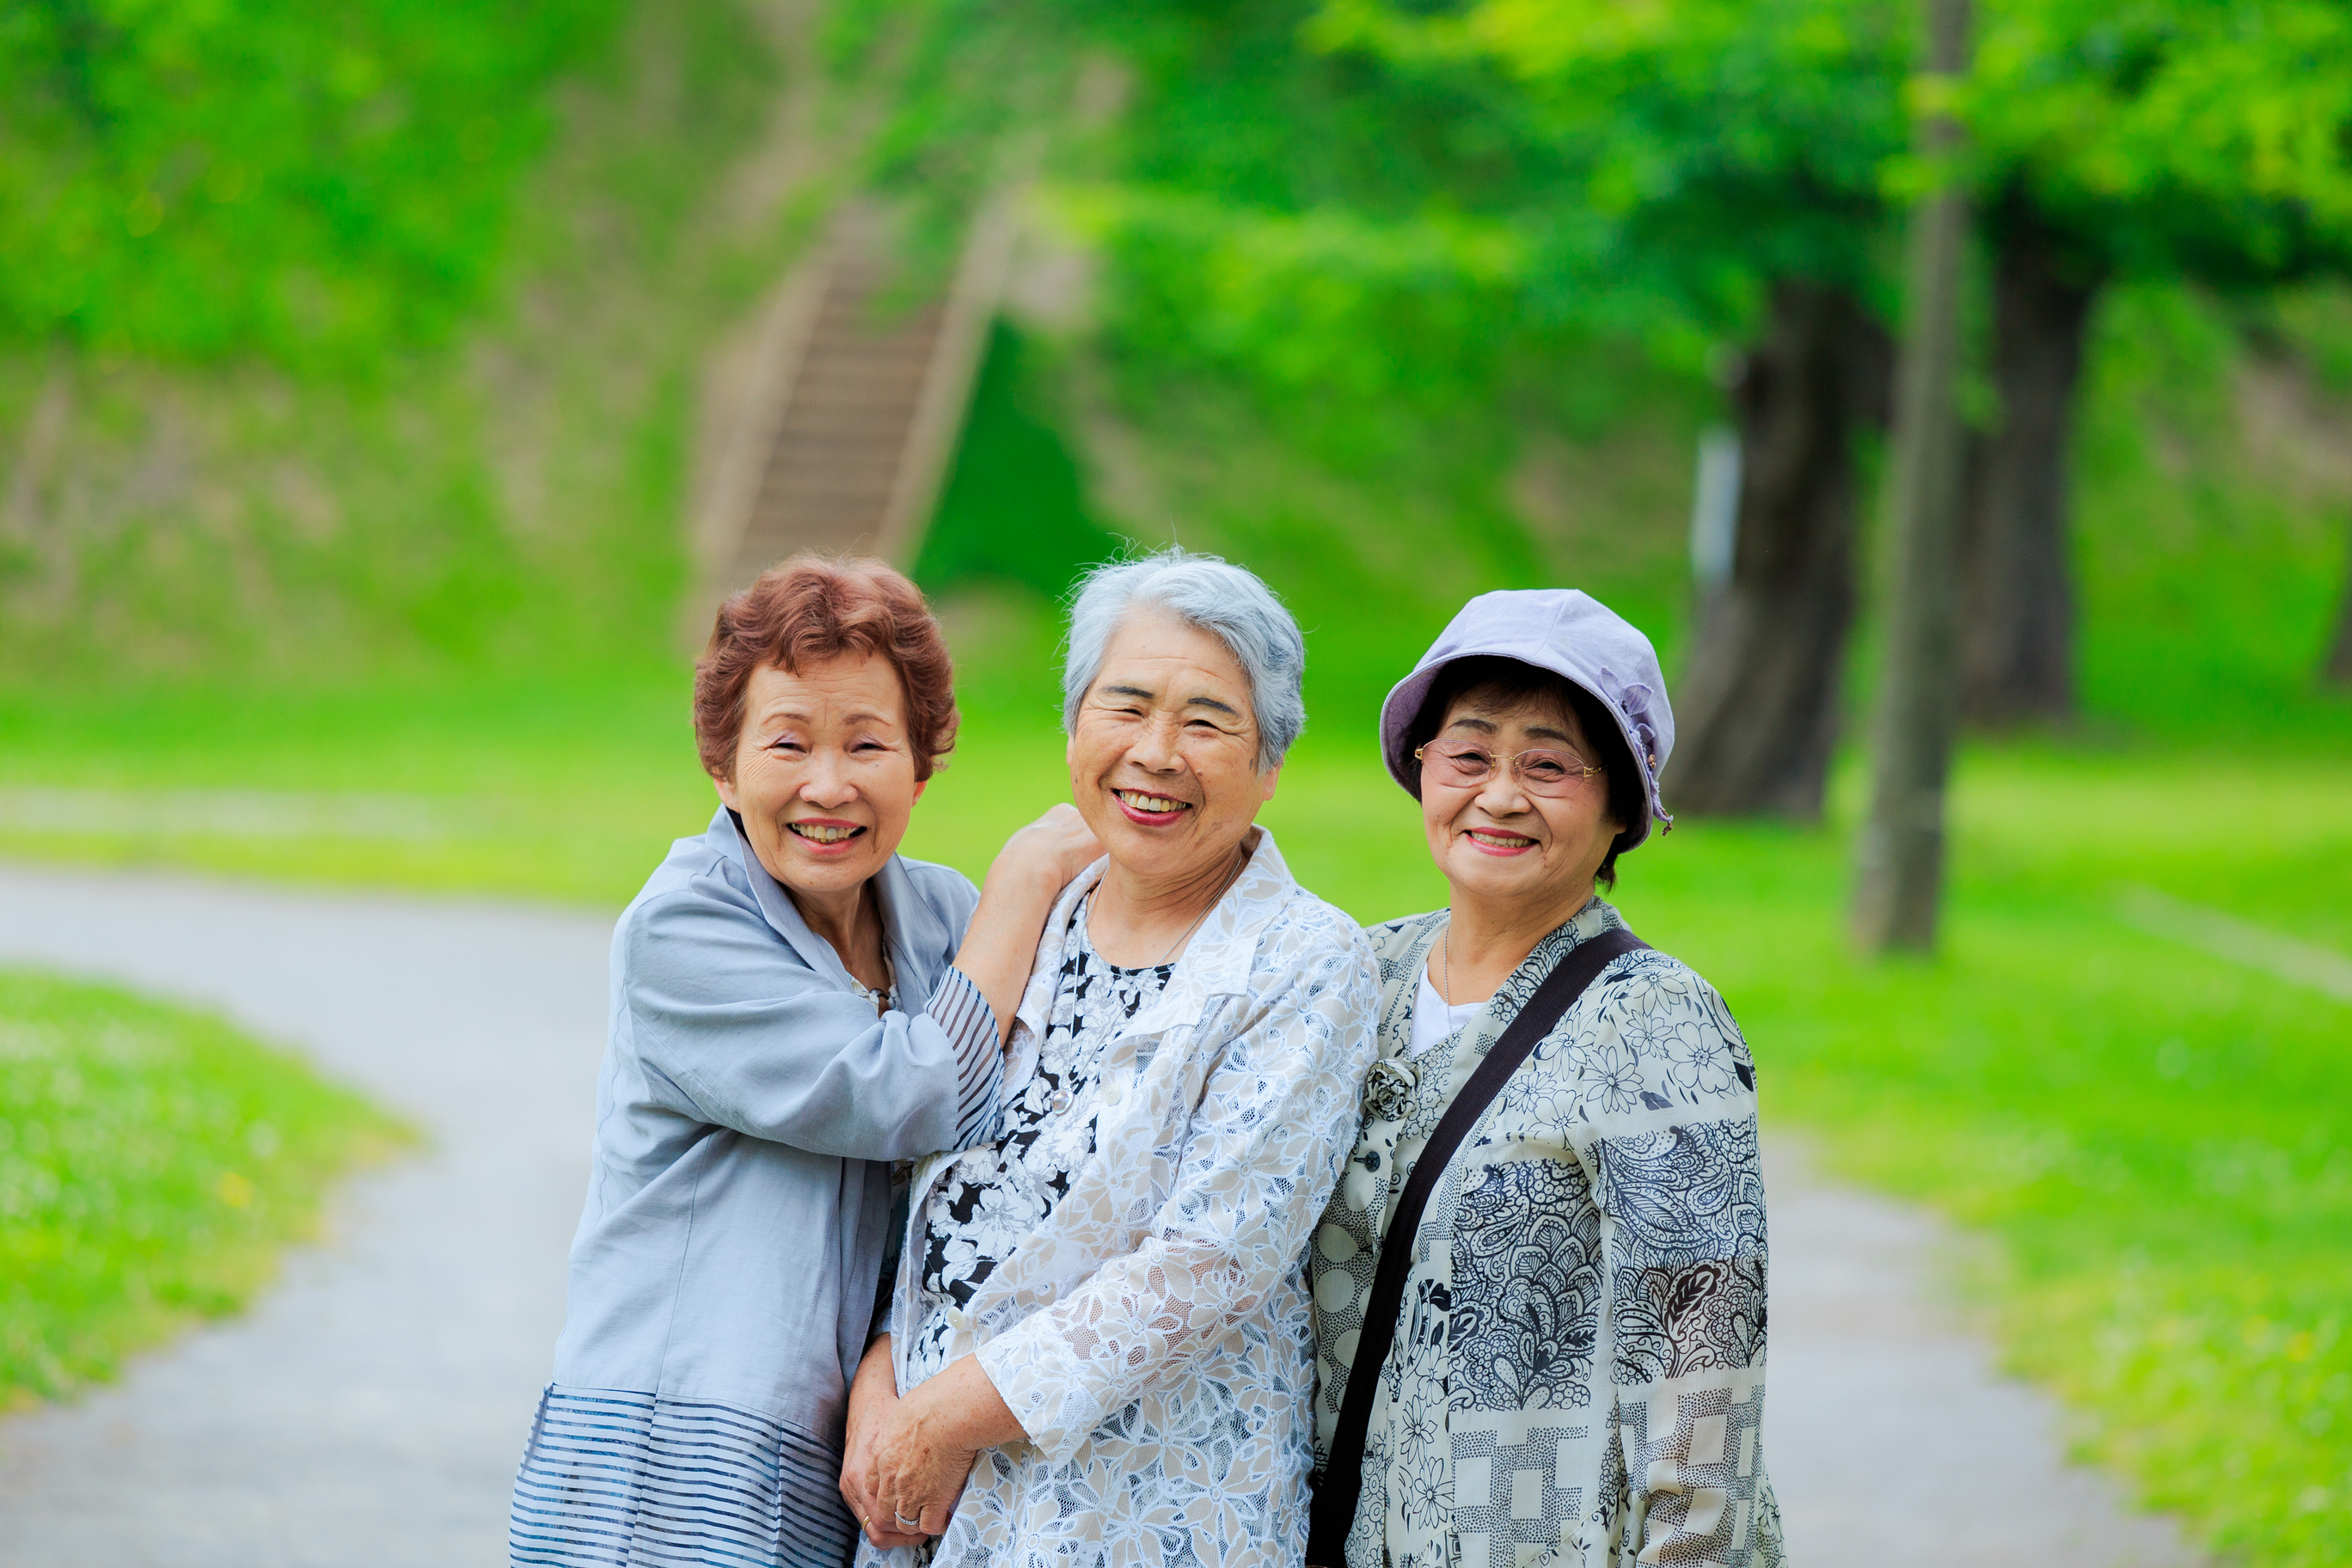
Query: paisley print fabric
[1579, 1378]
[1526, 1286]
[1150, 1330]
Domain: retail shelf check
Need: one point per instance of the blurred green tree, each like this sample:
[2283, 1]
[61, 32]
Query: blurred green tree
[1726, 175]
[1747, 154]
[1420, 205]
[185, 179]
[2164, 138]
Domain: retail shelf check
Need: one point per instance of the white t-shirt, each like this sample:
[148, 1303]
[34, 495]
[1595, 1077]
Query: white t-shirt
[1432, 1020]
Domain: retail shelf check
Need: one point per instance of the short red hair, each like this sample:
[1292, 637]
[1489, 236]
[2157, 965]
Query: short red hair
[811, 609]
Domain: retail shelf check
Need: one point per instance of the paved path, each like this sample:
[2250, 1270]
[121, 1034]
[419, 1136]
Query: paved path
[370, 1410]
[1892, 1442]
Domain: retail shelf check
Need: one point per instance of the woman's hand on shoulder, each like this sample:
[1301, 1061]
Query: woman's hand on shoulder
[1059, 842]
[1029, 874]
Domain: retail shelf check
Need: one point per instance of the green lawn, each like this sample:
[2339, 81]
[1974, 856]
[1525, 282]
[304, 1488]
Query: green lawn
[152, 1162]
[558, 788]
[2159, 1139]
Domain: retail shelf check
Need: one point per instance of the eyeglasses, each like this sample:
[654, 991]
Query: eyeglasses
[1545, 772]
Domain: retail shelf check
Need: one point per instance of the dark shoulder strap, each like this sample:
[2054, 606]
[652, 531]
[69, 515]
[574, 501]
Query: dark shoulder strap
[1335, 1499]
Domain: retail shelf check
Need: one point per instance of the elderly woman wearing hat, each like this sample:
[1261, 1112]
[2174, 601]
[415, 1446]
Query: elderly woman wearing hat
[1546, 1252]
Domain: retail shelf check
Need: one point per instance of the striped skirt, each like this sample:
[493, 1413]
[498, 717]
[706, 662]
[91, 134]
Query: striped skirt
[628, 1480]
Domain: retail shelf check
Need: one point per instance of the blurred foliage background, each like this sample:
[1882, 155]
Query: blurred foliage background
[356, 369]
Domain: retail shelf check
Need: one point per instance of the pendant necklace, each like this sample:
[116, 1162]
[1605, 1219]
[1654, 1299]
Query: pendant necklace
[880, 997]
[1241, 858]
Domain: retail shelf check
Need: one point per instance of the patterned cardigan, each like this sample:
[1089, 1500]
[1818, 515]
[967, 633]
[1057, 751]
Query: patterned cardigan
[1579, 1376]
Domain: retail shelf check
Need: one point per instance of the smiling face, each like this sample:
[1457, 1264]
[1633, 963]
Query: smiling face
[1163, 758]
[825, 777]
[1495, 841]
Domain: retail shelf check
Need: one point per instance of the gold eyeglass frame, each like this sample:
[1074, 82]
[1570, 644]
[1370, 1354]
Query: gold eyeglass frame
[1510, 764]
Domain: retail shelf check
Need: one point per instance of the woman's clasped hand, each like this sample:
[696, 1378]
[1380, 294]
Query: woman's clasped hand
[907, 1458]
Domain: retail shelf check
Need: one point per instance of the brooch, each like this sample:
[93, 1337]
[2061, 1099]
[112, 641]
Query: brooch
[1386, 1088]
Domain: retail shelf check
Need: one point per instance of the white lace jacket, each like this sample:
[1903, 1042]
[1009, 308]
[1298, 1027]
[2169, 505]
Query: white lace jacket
[1152, 1335]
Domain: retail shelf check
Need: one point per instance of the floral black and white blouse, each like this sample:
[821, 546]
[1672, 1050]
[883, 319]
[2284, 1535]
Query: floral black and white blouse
[997, 1195]
[1579, 1378]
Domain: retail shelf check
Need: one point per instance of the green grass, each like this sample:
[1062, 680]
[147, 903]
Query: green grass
[2157, 1139]
[152, 1163]
[563, 784]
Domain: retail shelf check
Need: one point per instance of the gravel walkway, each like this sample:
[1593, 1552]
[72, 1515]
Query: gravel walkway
[370, 1410]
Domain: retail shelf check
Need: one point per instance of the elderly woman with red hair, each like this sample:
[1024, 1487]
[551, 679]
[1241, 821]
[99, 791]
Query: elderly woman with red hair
[794, 1005]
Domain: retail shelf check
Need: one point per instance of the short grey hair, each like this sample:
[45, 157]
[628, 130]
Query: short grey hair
[1214, 595]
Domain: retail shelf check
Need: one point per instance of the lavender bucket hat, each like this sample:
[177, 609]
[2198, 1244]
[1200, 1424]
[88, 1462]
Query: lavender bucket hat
[1574, 635]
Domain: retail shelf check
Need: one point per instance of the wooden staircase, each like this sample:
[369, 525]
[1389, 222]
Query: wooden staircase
[843, 438]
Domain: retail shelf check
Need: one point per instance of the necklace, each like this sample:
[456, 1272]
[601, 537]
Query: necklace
[1241, 858]
[881, 996]
[1445, 960]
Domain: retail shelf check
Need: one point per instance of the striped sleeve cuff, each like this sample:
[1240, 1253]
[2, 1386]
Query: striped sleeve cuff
[963, 1014]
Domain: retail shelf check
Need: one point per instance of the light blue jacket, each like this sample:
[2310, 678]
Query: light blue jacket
[748, 1103]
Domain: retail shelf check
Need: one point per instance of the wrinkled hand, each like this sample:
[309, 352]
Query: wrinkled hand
[871, 1398]
[913, 1460]
[1028, 875]
[1060, 840]
[913, 1471]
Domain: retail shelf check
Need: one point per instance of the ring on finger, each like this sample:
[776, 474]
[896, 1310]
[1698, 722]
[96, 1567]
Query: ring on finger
[915, 1523]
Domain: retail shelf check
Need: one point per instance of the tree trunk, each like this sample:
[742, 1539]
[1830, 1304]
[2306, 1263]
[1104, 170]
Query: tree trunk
[2338, 671]
[2017, 619]
[1899, 893]
[1758, 702]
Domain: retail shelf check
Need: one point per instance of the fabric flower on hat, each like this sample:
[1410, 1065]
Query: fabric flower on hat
[1633, 699]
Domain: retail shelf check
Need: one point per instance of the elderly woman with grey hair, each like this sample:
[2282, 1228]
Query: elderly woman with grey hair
[1099, 1348]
